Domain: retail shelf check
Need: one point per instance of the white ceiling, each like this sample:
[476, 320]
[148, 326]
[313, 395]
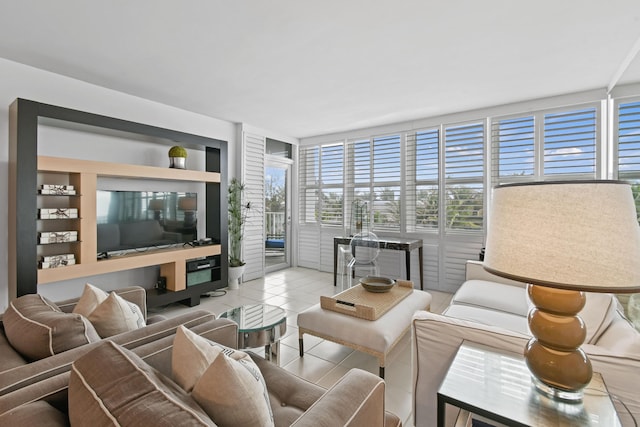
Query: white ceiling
[303, 68]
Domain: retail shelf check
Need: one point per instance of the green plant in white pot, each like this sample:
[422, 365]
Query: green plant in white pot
[238, 210]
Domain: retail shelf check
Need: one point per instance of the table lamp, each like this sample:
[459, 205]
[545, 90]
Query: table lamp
[563, 238]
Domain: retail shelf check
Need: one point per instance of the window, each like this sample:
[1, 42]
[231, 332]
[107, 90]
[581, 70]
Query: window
[514, 150]
[332, 178]
[629, 147]
[464, 176]
[545, 145]
[570, 143]
[309, 167]
[321, 184]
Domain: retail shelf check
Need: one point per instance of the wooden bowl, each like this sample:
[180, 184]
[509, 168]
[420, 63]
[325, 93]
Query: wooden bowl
[377, 284]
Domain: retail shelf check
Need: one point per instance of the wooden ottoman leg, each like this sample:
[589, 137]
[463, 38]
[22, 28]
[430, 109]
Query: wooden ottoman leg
[301, 346]
[381, 374]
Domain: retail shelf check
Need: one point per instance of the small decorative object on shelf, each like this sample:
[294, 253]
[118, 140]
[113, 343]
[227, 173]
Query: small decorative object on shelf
[58, 213]
[55, 261]
[177, 157]
[57, 190]
[46, 237]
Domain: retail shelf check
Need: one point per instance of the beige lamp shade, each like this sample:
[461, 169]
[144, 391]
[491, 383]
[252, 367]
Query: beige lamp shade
[580, 235]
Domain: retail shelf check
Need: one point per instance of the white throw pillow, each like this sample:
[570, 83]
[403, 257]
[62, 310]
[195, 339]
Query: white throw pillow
[91, 298]
[116, 315]
[226, 383]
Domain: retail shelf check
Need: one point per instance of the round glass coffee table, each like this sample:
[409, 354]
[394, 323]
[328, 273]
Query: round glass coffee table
[260, 325]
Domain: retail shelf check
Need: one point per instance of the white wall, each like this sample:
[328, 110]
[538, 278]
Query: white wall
[20, 81]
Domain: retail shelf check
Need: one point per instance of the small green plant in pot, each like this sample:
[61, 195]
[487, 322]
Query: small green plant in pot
[238, 211]
[177, 157]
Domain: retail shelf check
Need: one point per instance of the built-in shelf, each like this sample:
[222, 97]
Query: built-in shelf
[122, 170]
[26, 168]
[173, 256]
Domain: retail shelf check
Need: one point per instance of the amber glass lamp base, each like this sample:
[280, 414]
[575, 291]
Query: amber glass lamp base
[559, 367]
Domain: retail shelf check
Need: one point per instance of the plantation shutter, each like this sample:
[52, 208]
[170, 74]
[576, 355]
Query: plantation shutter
[422, 180]
[386, 182]
[629, 147]
[309, 164]
[629, 141]
[570, 143]
[253, 172]
[332, 175]
[513, 149]
[464, 176]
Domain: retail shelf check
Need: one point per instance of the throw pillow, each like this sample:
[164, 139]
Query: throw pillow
[36, 328]
[116, 315]
[225, 382]
[111, 385]
[91, 298]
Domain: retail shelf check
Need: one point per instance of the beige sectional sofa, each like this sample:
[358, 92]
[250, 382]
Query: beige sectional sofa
[355, 400]
[491, 310]
[36, 393]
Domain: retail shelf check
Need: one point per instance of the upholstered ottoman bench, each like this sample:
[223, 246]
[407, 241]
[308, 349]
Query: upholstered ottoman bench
[375, 337]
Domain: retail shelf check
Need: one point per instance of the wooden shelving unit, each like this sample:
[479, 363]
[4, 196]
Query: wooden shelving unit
[26, 168]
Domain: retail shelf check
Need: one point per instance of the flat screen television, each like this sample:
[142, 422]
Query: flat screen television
[130, 221]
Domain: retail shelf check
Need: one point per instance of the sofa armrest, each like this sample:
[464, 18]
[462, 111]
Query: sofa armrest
[474, 270]
[435, 342]
[357, 399]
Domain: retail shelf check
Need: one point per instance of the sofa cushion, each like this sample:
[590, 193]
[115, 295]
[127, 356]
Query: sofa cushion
[116, 315]
[484, 316]
[36, 328]
[38, 413]
[90, 299]
[112, 386]
[597, 314]
[493, 295]
[226, 382]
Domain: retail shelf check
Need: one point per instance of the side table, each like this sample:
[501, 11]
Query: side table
[497, 385]
[259, 325]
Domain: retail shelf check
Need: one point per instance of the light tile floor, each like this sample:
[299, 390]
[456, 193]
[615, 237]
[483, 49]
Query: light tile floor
[324, 362]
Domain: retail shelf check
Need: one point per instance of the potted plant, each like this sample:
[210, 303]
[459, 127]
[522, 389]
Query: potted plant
[177, 157]
[238, 210]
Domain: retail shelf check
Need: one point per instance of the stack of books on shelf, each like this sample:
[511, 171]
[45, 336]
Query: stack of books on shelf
[46, 237]
[55, 261]
[58, 213]
[57, 190]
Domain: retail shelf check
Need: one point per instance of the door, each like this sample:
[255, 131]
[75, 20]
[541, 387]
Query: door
[277, 214]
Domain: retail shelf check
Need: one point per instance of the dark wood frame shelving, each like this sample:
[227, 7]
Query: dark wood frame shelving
[25, 164]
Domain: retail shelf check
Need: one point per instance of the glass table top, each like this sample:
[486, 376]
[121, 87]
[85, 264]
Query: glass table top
[490, 382]
[256, 317]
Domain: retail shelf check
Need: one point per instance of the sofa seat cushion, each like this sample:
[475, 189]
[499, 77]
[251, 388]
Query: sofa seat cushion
[484, 316]
[38, 413]
[36, 328]
[225, 382]
[495, 296]
[111, 385]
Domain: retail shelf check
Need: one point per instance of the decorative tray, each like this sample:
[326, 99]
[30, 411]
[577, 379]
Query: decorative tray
[377, 284]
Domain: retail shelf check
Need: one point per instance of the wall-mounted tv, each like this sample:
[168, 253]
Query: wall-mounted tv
[143, 220]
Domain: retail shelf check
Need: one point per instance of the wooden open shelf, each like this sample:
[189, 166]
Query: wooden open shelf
[121, 170]
[170, 260]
